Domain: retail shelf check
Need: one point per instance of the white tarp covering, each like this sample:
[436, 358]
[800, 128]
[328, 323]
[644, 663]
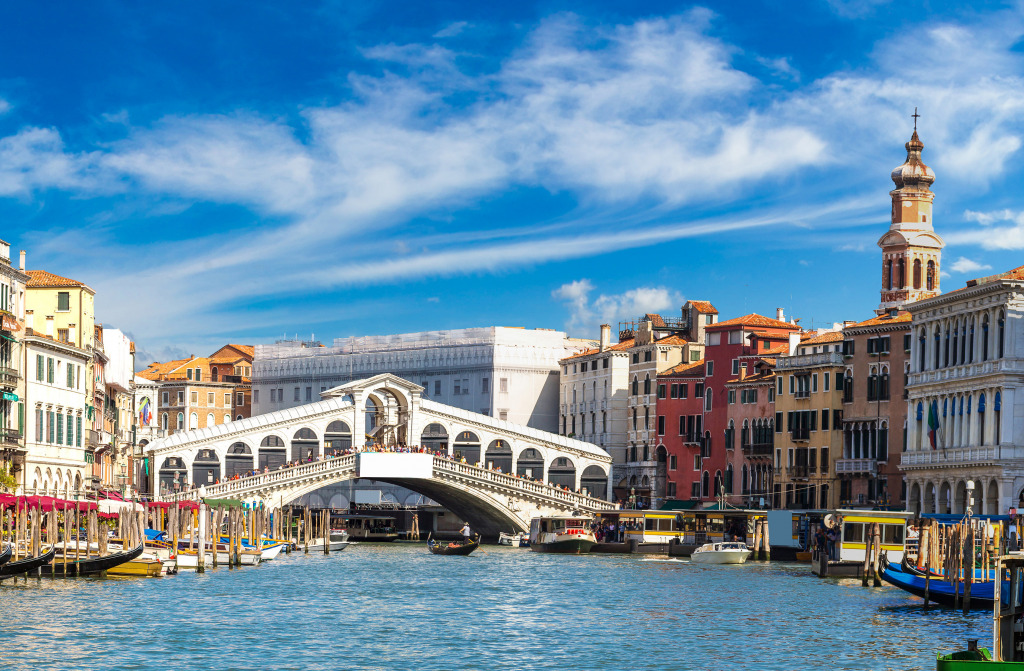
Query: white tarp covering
[395, 465]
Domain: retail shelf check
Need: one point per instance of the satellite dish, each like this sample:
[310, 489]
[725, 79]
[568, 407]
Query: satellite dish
[829, 520]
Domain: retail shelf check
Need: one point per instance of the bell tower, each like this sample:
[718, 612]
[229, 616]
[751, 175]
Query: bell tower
[911, 250]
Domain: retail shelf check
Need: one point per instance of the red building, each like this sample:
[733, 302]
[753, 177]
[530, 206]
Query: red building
[729, 348]
[750, 435]
[680, 411]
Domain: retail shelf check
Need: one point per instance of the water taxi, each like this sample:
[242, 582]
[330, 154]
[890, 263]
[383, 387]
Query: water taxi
[721, 553]
[565, 534]
[654, 531]
[516, 540]
[854, 527]
[370, 528]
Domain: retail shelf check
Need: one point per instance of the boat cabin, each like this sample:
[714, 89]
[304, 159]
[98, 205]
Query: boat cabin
[368, 527]
[559, 525]
[688, 526]
[855, 525]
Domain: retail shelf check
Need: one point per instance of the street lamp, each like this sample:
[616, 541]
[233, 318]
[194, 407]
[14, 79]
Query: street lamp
[970, 498]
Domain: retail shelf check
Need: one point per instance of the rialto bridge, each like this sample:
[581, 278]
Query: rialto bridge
[492, 473]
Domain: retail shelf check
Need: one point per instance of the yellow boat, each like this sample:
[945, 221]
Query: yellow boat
[145, 567]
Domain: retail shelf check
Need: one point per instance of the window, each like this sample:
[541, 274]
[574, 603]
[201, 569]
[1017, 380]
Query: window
[661, 425]
[437, 387]
[199, 374]
[163, 421]
[683, 391]
[583, 367]
[62, 335]
[696, 464]
[698, 390]
[227, 399]
[210, 421]
[778, 385]
[673, 391]
[39, 367]
[181, 421]
[647, 355]
[711, 368]
[209, 398]
[735, 366]
[458, 387]
[188, 373]
[707, 401]
[309, 394]
[63, 301]
[503, 385]
[647, 384]
[672, 463]
[256, 395]
[227, 418]
[732, 396]
[636, 357]
[295, 394]
[195, 397]
[71, 375]
[485, 386]
[661, 391]
[60, 430]
[49, 369]
[814, 383]
[273, 396]
[193, 421]
[824, 419]
[604, 362]
[239, 399]
[825, 378]
[181, 398]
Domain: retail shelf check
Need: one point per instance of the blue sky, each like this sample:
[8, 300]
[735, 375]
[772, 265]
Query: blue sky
[235, 172]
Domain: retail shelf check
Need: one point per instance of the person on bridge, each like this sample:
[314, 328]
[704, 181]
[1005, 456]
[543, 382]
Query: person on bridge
[466, 533]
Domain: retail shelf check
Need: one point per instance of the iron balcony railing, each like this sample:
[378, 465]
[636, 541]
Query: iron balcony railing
[759, 449]
[798, 471]
[10, 437]
[806, 360]
[801, 434]
[9, 376]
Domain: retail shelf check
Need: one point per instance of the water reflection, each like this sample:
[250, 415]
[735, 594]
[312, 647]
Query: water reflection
[386, 607]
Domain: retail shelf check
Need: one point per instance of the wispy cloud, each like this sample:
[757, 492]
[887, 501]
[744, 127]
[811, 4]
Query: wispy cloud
[585, 314]
[965, 265]
[452, 29]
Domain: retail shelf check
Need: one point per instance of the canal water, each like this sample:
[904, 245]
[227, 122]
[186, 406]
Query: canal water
[399, 607]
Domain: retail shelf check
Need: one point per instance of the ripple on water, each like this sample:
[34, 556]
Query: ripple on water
[396, 606]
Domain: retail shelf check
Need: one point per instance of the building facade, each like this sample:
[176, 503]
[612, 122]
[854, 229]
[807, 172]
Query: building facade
[750, 433]
[966, 398]
[506, 373]
[13, 283]
[809, 423]
[681, 428]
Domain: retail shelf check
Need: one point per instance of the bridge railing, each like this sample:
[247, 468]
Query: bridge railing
[281, 476]
[522, 484]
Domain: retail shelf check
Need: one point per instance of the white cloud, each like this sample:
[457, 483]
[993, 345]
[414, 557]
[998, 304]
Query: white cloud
[452, 29]
[584, 315]
[855, 9]
[965, 265]
[991, 236]
[5, 106]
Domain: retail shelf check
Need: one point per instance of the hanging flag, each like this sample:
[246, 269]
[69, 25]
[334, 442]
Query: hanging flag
[933, 422]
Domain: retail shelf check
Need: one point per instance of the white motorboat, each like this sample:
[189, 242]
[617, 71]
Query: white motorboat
[337, 542]
[564, 534]
[721, 553]
[516, 540]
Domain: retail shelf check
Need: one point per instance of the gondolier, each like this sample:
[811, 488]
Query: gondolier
[466, 533]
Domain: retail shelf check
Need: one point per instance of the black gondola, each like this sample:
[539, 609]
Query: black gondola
[462, 549]
[27, 565]
[94, 565]
[5, 556]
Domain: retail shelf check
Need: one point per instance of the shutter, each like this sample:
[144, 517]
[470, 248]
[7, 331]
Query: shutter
[78, 432]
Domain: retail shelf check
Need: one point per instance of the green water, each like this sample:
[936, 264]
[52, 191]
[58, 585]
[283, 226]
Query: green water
[399, 607]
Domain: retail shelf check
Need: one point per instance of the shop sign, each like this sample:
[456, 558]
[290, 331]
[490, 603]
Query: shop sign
[10, 323]
[8, 396]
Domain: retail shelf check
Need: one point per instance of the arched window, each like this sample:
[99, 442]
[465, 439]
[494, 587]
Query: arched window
[931, 276]
[193, 420]
[970, 343]
[181, 421]
[996, 408]
[647, 384]
[707, 400]
[163, 421]
[745, 435]
[917, 273]
[981, 419]
[887, 275]
[938, 345]
[1001, 333]
[210, 421]
[901, 277]
[984, 338]
[956, 335]
[945, 350]
[636, 386]
[921, 342]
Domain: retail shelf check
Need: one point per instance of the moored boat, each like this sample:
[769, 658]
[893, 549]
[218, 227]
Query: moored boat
[28, 564]
[5, 556]
[91, 565]
[939, 591]
[516, 540]
[563, 534]
[721, 553]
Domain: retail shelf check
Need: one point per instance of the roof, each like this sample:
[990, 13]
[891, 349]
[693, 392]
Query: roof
[753, 379]
[617, 347]
[249, 350]
[704, 307]
[881, 320]
[1015, 274]
[43, 279]
[752, 320]
[157, 370]
[672, 340]
[654, 319]
[827, 337]
[688, 369]
[780, 349]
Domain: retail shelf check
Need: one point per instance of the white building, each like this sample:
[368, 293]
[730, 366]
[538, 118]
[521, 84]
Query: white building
[56, 395]
[507, 373]
[965, 418]
[12, 373]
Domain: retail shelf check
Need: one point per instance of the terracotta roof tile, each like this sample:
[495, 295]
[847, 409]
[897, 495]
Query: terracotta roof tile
[617, 347]
[704, 307]
[654, 319]
[43, 279]
[828, 337]
[900, 318]
[754, 320]
[1015, 274]
[672, 340]
[781, 349]
[688, 369]
[245, 349]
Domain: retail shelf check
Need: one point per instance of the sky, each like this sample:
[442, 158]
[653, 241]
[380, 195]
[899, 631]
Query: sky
[243, 172]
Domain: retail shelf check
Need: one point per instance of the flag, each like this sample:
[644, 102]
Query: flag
[933, 422]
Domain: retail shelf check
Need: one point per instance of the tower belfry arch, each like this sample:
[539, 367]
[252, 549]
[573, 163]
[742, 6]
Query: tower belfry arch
[911, 249]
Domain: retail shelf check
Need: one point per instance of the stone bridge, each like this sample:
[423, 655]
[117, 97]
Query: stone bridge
[494, 474]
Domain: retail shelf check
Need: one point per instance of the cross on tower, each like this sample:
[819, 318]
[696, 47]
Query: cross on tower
[915, 115]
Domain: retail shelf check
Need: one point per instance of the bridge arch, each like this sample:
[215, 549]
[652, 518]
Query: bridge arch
[562, 472]
[273, 453]
[206, 467]
[467, 446]
[499, 455]
[530, 464]
[171, 467]
[594, 481]
[238, 460]
[338, 436]
[435, 437]
[305, 445]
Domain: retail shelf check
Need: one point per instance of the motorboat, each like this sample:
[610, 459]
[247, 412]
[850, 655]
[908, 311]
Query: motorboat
[721, 553]
[337, 542]
[564, 534]
[516, 540]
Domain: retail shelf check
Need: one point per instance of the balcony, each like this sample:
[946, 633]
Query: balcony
[809, 360]
[857, 466]
[10, 438]
[802, 393]
[9, 377]
[801, 434]
[759, 449]
[798, 471]
[959, 457]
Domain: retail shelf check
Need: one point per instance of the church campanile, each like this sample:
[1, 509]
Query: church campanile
[911, 250]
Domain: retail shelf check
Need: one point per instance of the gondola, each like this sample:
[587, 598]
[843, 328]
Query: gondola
[93, 565]
[450, 549]
[28, 564]
[939, 591]
[5, 556]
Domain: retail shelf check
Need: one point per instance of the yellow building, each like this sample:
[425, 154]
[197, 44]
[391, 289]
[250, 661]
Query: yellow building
[809, 423]
[60, 308]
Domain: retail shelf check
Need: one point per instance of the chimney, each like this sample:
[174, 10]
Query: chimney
[606, 336]
[49, 326]
[794, 341]
[778, 315]
[743, 370]
[21, 264]
[72, 333]
[29, 319]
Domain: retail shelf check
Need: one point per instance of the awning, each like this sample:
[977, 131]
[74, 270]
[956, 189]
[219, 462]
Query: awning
[679, 505]
[7, 337]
